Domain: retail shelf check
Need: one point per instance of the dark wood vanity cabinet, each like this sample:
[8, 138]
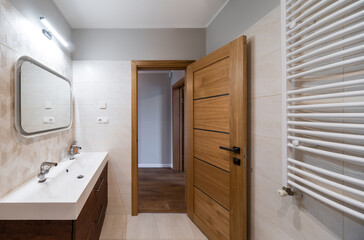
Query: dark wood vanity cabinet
[87, 226]
[89, 223]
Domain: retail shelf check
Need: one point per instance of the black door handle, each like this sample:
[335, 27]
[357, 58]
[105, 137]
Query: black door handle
[234, 149]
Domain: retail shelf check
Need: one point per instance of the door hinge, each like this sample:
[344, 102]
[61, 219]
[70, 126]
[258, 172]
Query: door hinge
[182, 100]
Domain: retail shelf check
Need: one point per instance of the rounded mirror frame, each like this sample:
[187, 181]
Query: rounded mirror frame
[17, 100]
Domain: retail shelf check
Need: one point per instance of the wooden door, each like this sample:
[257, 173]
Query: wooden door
[216, 105]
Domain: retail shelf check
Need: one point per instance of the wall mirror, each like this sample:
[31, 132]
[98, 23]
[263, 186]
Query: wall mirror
[43, 99]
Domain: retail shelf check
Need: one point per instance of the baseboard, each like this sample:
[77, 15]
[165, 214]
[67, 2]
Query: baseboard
[158, 165]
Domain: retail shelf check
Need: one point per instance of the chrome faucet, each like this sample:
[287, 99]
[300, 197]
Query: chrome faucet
[74, 150]
[44, 171]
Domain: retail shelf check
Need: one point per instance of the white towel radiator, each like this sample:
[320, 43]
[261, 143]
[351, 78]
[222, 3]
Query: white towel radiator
[323, 101]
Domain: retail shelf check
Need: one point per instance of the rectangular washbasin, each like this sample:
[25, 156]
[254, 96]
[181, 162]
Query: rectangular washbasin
[61, 197]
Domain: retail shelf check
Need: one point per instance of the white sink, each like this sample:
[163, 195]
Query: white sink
[61, 197]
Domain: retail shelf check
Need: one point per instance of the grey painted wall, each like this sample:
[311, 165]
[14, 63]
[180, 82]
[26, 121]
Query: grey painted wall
[138, 44]
[154, 120]
[237, 16]
[34, 9]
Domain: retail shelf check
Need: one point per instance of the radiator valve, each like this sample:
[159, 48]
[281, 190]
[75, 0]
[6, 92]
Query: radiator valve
[285, 192]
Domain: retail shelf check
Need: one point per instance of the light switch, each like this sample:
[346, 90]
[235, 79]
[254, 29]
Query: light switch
[48, 120]
[102, 105]
[48, 105]
[103, 120]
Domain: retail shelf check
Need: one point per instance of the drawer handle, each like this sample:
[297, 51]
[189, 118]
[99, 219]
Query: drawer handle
[98, 219]
[99, 188]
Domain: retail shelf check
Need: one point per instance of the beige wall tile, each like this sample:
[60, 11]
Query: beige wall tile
[262, 228]
[266, 116]
[115, 205]
[126, 198]
[114, 227]
[20, 158]
[266, 157]
[265, 76]
[264, 37]
[7, 33]
[304, 218]
[353, 228]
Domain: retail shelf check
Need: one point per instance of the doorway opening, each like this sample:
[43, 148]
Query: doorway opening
[158, 166]
[160, 139]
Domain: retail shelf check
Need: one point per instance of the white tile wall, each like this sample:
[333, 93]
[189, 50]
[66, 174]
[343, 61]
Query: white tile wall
[85, 93]
[113, 93]
[110, 82]
[112, 72]
[83, 72]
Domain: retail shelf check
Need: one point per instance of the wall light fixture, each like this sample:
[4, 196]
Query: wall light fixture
[50, 31]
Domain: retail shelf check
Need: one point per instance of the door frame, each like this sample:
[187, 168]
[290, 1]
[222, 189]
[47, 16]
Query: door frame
[178, 124]
[135, 66]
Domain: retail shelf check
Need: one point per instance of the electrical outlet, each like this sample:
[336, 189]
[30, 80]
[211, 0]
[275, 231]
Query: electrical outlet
[102, 120]
[48, 120]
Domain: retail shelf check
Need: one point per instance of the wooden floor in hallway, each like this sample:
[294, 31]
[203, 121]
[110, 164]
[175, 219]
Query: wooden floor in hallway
[161, 190]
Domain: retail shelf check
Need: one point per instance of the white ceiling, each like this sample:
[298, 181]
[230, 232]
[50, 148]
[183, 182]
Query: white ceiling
[139, 13]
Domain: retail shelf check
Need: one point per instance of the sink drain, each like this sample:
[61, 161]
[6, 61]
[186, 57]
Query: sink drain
[80, 176]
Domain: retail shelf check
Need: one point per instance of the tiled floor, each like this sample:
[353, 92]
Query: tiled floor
[119, 224]
[150, 226]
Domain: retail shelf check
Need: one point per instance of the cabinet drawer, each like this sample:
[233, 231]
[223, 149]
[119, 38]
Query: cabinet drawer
[83, 224]
[99, 218]
[100, 191]
[100, 188]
